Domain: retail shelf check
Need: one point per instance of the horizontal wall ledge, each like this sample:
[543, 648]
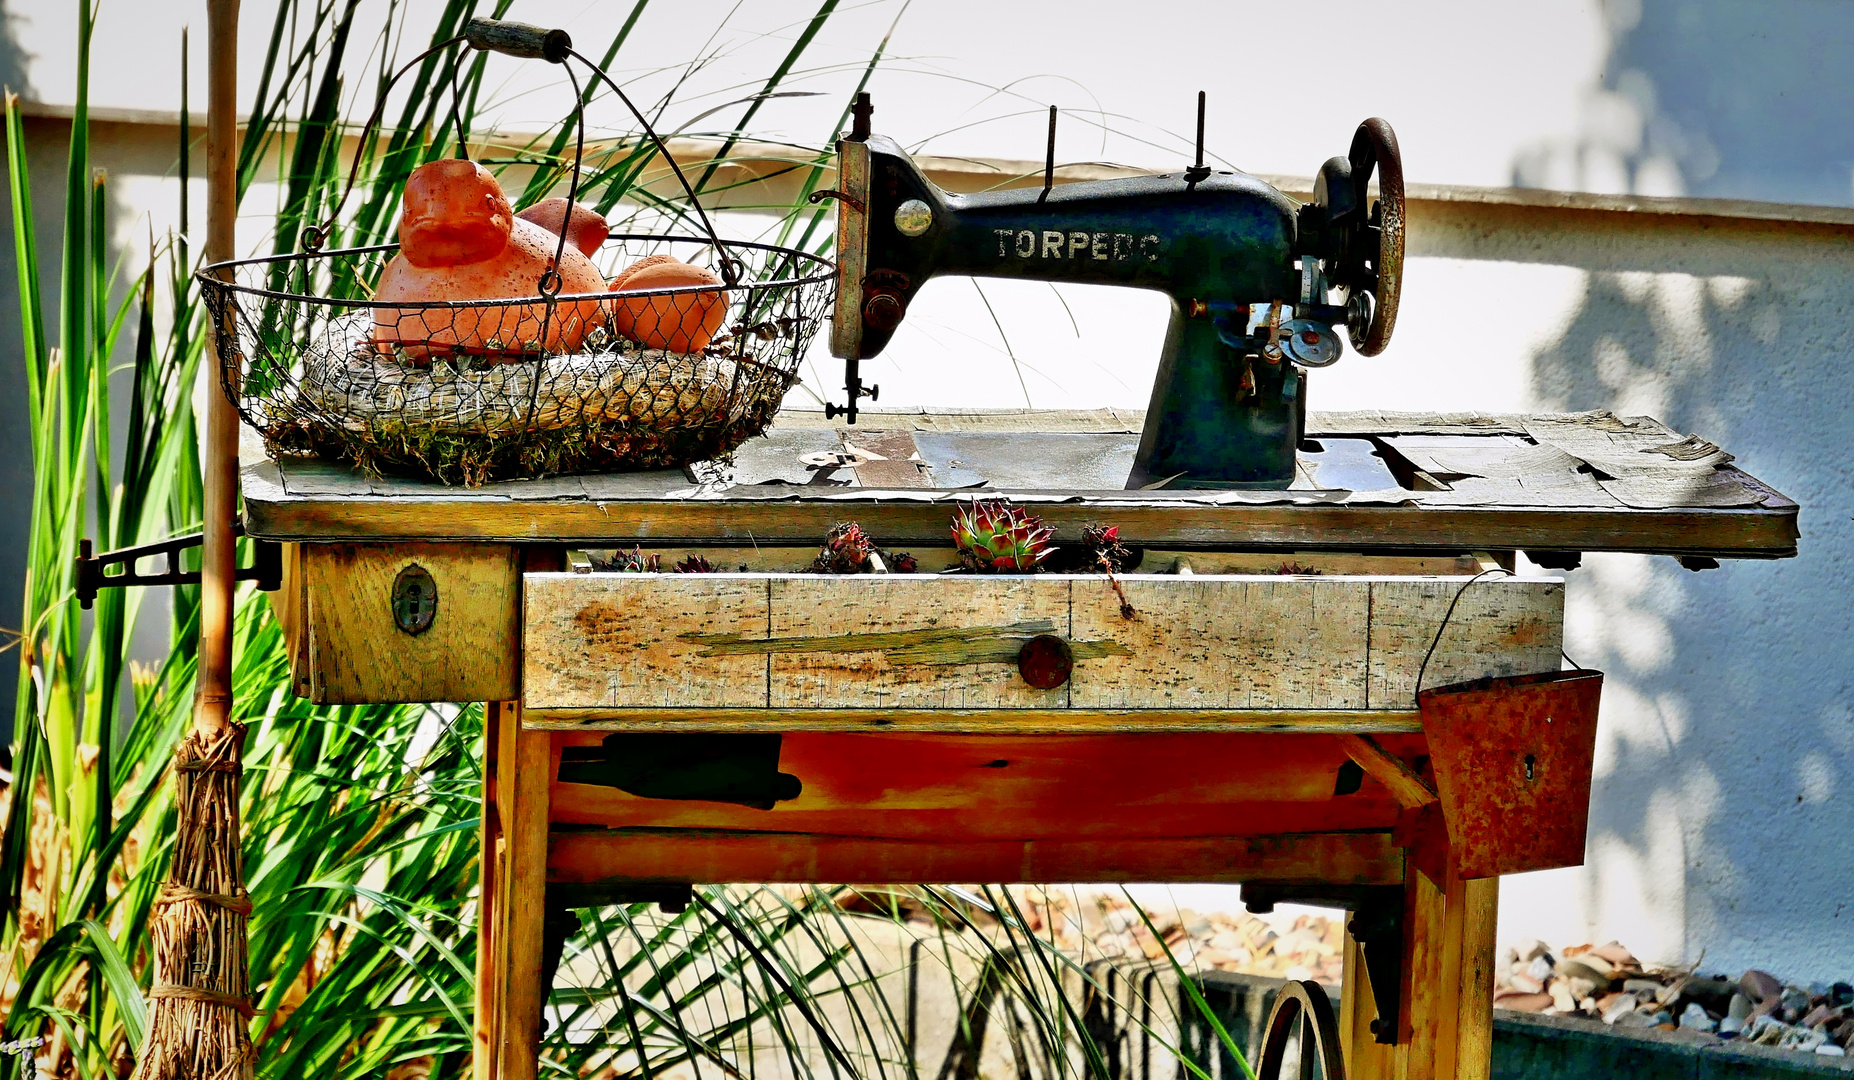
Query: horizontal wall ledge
[754, 172]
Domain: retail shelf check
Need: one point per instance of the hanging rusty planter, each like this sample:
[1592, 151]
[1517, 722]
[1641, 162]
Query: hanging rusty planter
[1512, 760]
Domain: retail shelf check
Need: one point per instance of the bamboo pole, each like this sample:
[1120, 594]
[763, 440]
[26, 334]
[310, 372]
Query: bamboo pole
[200, 1002]
[212, 707]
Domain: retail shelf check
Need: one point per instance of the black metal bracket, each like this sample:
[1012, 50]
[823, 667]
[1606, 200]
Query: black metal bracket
[1377, 925]
[671, 897]
[734, 768]
[93, 570]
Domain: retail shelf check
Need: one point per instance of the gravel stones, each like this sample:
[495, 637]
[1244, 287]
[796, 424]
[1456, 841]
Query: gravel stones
[1519, 1002]
[1760, 986]
[1694, 1018]
[1608, 984]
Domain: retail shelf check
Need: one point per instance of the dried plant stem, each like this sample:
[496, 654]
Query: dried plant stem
[1126, 606]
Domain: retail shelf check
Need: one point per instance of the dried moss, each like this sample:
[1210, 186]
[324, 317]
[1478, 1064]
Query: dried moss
[474, 459]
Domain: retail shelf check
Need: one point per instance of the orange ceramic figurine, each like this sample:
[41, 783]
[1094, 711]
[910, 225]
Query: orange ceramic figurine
[459, 240]
[680, 322]
[585, 229]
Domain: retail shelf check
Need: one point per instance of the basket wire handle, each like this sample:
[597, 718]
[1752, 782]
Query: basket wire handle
[1449, 614]
[551, 281]
[730, 267]
[550, 278]
[315, 236]
[463, 137]
[531, 43]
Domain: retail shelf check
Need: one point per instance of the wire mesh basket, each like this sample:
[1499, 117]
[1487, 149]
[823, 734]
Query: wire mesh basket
[514, 387]
[477, 390]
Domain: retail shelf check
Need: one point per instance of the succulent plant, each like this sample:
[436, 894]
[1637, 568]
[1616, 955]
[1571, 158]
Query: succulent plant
[1105, 549]
[995, 537]
[695, 564]
[846, 550]
[637, 561]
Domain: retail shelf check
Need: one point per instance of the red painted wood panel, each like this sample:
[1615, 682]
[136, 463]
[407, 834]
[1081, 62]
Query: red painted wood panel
[962, 788]
[598, 857]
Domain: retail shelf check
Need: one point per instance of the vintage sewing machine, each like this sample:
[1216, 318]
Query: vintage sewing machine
[1251, 276]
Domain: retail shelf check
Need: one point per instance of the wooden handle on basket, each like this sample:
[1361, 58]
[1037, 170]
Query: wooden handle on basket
[518, 39]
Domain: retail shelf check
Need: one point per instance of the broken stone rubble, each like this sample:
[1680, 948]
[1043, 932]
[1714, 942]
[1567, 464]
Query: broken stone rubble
[1607, 984]
[1095, 924]
[1105, 925]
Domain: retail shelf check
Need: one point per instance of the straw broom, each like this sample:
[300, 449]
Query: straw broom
[200, 1004]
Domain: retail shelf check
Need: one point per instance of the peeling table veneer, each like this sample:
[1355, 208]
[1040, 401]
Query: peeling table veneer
[1366, 481]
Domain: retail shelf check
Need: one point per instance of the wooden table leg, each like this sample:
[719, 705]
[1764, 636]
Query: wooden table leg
[1474, 989]
[1428, 1050]
[521, 803]
[486, 1036]
[1447, 993]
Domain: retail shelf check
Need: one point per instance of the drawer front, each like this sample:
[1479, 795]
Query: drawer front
[346, 647]
[799, 643]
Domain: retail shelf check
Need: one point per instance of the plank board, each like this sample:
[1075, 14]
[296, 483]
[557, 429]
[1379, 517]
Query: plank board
[960, 788]
[909, 642]
[625, 856]
[604, 639]
[356, 654]
[1494, 630]
[1519, 484]
[1201, 642]
[1069, 721]
[916, 644]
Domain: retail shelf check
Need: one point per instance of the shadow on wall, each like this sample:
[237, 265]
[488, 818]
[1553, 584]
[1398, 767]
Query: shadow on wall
[1715, 98]
[1726, 760]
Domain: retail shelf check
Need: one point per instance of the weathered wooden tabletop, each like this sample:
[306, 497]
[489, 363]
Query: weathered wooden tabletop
[1369, 481]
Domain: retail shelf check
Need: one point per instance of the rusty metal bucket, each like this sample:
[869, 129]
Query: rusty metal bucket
[1512, 760]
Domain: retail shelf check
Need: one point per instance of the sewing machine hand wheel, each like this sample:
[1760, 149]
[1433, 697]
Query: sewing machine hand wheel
[1302, 1006]
[1370, 266]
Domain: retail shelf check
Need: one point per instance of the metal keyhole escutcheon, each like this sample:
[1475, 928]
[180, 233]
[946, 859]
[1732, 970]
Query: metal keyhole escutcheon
[415, 599]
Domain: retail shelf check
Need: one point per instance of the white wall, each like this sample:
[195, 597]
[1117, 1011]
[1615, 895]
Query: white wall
[1726, 767]
[1727, 740]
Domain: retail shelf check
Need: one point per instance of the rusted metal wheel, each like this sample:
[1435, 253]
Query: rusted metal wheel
[1302, 1006]
[1374, 145]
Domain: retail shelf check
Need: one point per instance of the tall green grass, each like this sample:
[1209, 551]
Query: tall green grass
[360, 822]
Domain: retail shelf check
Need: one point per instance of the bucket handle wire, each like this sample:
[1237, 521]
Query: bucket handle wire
[527, 42]
[1450, 614]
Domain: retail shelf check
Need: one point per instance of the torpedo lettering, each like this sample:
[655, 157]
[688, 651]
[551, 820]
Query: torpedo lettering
[1097, 246]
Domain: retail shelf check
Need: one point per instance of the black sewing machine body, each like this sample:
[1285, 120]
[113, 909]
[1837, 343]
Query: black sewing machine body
[1247, 270]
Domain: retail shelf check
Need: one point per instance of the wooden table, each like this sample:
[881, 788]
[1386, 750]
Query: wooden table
[1255, 722]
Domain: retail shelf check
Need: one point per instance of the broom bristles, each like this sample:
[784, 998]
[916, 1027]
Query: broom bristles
[200, 1004]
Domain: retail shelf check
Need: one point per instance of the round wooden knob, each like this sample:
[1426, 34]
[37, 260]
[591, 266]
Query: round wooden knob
[1045, 661]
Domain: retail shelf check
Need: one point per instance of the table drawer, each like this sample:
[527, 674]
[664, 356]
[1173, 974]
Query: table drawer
[796, 650]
